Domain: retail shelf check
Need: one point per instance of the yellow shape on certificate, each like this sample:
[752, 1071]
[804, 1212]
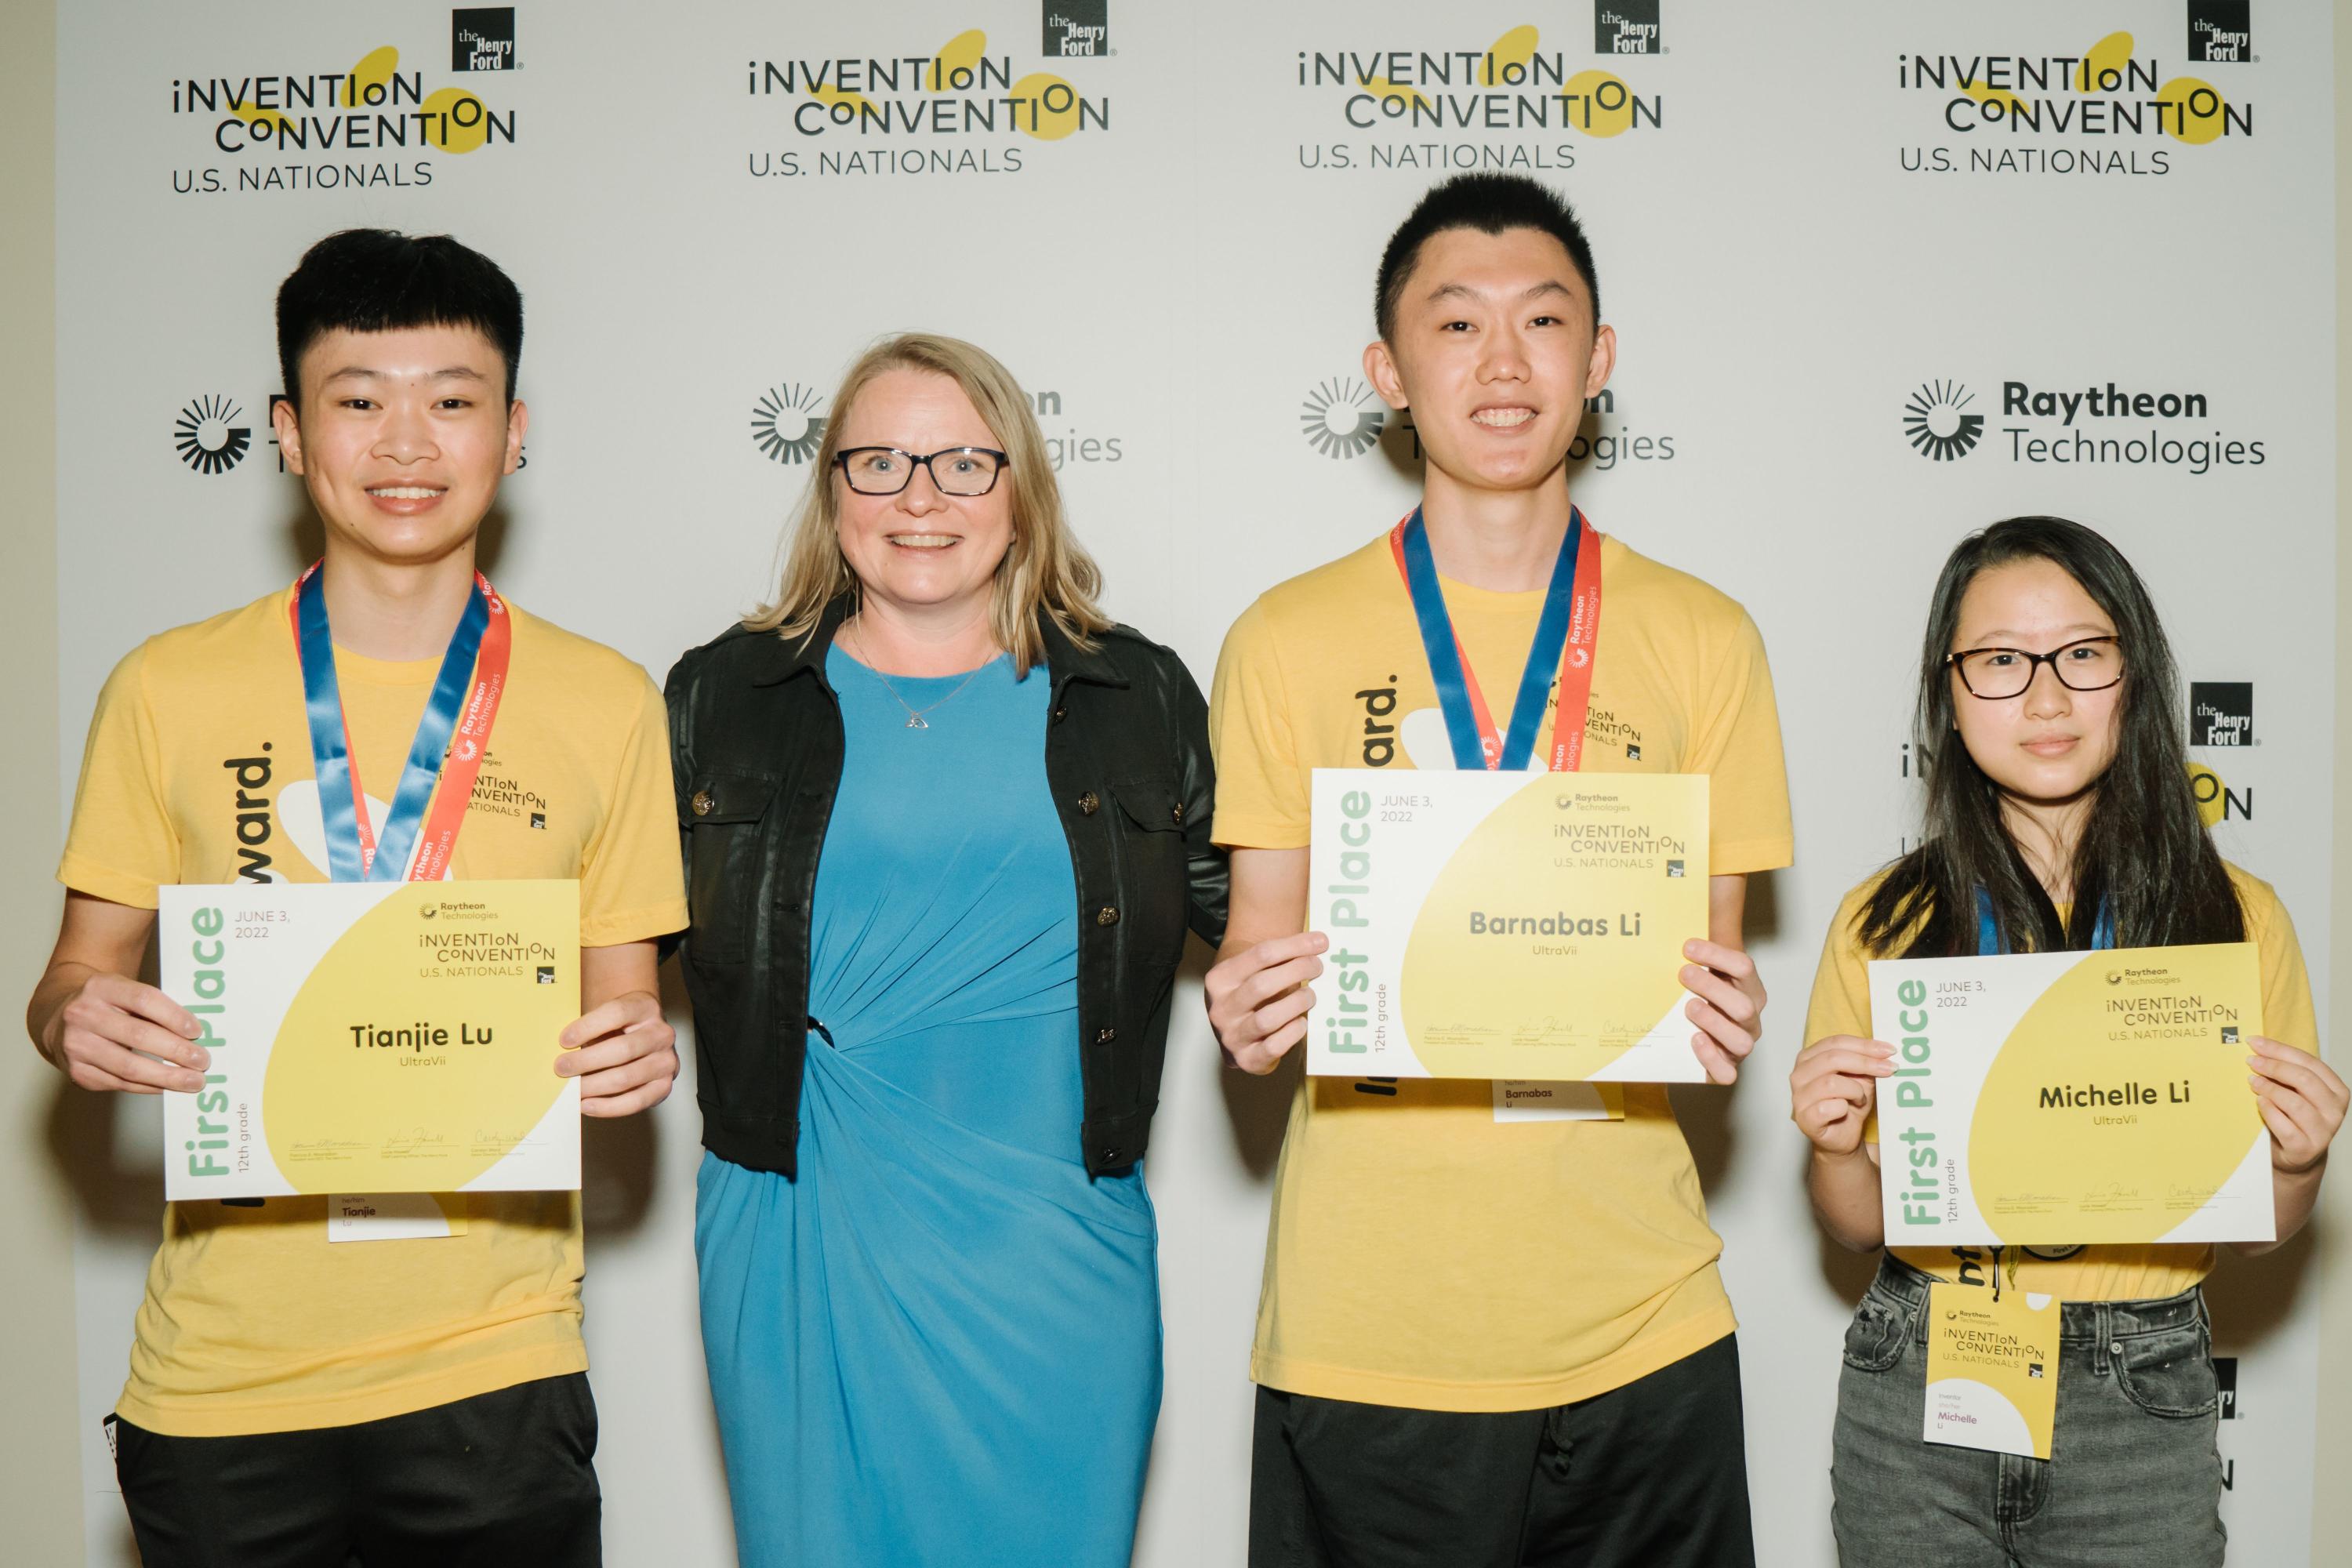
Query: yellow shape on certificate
[374, 1037]
[1500, 925]
[2072, 1098]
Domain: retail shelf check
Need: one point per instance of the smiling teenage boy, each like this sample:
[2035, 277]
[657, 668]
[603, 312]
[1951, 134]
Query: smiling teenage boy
[297, 1397]
[1484, 1341]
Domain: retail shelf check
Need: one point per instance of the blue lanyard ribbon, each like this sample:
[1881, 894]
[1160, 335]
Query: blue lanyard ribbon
[1990, 938]
[1444, 653]
[330, 739]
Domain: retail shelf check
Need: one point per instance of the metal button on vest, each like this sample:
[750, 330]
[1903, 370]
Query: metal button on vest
[1104, 1036]
[1108, 1157]
[1088, 803]
[1177, 811]
[1061, 713]
[702, 803]
[1105, 916]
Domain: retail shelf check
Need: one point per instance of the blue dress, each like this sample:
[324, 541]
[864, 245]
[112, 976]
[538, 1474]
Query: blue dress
[939, 1344]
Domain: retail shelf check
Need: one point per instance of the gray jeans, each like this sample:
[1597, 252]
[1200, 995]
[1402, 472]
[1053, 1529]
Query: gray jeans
[2134, 1480]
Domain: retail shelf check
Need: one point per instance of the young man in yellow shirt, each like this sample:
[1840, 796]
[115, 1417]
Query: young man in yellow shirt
[1488, 1341]
[387, 1395]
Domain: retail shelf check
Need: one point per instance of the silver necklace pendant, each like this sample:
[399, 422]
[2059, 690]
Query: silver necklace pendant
[916, 721]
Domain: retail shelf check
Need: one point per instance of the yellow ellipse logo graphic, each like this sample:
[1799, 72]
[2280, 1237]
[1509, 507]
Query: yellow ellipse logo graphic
[2172, 1117]
[1600, 987]
[364, 1115]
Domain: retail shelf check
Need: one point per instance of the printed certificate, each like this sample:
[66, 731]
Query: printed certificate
[2050, 1098]
[373, 1036]
[1505, 925]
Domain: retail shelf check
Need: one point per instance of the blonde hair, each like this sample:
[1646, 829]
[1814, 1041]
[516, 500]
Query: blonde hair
[1045, 571]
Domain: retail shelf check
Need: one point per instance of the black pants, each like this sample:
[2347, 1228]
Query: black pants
[500, 1479]
[1652, 1475]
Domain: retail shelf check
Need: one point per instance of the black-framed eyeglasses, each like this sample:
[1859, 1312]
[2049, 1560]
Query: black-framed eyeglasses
[2088, 664]
[956, 470]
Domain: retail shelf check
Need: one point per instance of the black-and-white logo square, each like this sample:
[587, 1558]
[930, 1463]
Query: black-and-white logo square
[2220, 713]
[1626, 27]
[538, 819]
[2219, 31]
[482, 38]
[546, 974]
[1076, 27]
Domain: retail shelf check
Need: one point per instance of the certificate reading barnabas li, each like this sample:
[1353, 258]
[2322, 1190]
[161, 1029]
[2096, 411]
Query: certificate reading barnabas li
[1505, 925]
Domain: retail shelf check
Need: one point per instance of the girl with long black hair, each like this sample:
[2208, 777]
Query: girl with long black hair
[2060, 815]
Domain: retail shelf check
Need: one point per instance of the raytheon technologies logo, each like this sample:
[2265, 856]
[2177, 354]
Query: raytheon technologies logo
[1341, 419]
[208, 442]
[786, 423]
[1936, 424]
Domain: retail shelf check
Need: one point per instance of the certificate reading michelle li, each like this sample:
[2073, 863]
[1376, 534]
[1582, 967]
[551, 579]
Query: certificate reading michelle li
[1505, 925]
[373, 1036]
[2057, 1099]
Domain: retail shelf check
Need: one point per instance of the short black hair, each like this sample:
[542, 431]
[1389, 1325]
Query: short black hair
[1491, 203]
[375, 280]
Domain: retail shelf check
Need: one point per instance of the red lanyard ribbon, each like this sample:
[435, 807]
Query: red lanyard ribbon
[443, 760]
[1463, 703]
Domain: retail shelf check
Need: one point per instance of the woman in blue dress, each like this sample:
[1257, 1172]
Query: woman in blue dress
[945, 826]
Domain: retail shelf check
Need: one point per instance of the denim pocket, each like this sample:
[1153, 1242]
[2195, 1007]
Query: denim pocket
[2170, 1372]
[1875, 1339]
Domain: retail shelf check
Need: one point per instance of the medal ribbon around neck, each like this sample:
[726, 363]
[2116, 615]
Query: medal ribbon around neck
[1989, 939]
[480, 647]
[1566, 638]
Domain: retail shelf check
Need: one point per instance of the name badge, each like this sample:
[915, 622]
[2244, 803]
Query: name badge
[394, 1217]
[1534, 1099]
[1993, 1370]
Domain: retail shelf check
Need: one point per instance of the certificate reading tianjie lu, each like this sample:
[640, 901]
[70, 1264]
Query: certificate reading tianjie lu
[1505, 925]
[373, 1036]
[2050, 1098]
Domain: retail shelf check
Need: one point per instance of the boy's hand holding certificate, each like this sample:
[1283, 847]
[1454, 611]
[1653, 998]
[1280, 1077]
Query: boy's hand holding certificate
[1505, 925]
[373, 1036]
[2052, 1098]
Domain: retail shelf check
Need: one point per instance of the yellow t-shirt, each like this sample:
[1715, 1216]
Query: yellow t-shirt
[198, 770]
[1422, 1255]
[1840, 1005]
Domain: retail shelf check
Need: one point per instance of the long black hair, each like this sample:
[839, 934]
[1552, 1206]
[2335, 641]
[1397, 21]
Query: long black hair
[2143, 856]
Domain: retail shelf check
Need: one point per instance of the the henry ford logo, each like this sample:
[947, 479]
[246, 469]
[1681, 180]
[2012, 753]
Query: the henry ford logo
[2220, 713]
[2220, 30]
[482, 38]
[1937, 422]
[1625, 27]
[1077, 27]
[209, 440]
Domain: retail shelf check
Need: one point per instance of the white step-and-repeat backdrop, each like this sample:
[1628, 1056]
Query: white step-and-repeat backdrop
[1880, 273]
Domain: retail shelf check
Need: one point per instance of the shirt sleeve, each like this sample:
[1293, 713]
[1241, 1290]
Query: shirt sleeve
[1736, 744]
[122, 845]
[1262, 790]
[2288, 1016]
[1841, 1001]
[631, 887]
